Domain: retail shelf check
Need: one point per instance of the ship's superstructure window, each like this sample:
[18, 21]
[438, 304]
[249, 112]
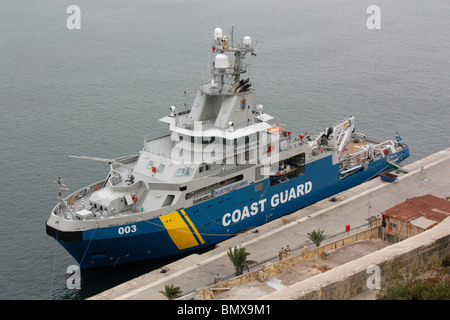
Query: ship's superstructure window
[198, 140]
[208, 140]
[184, 172]
[168, 201]
[161, 168]
[150, 164]
[204, 167]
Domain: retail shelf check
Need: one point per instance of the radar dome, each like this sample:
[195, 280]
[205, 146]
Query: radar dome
[222, 61]
[247, 41]
[218, 33]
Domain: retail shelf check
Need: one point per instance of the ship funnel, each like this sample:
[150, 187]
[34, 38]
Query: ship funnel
[222, 61]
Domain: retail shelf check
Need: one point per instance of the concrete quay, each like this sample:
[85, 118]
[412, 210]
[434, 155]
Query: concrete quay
[430, 175]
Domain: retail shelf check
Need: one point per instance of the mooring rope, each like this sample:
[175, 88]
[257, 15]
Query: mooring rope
[54, 263]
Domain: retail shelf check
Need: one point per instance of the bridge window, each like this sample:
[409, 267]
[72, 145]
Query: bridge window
[184, 172]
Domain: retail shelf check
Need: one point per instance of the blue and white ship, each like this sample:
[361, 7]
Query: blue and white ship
[221, 169]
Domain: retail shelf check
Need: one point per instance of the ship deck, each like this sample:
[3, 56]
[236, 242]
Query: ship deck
[355, 147]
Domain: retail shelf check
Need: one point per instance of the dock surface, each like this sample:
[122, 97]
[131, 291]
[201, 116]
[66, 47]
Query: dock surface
[430, 175]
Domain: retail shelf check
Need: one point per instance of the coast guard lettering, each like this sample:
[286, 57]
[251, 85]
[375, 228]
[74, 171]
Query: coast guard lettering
[259, 206]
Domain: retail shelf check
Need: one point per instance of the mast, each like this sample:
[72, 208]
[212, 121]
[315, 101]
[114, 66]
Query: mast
[221, 66]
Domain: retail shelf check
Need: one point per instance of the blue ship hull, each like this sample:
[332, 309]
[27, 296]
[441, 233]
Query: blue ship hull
[217, 219]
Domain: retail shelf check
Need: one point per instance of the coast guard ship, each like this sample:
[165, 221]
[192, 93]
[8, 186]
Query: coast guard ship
[221, 169]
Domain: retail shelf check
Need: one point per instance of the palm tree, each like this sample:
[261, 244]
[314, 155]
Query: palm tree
[239, 259]
[171, 292]
[316, 236]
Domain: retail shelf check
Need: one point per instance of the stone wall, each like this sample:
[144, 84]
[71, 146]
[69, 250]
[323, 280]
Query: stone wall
[268, 270]
[317, 252]
[343, 282]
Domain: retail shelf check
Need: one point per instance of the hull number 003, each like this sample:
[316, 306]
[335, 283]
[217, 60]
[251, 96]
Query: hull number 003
[127, 229]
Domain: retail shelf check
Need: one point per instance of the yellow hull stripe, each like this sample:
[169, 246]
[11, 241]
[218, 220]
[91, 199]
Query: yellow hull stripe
[199, 237]
[178, 230]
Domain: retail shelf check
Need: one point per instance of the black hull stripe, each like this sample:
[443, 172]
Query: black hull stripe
[64, 235]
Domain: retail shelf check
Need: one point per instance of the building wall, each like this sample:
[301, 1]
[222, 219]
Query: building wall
[399, 227]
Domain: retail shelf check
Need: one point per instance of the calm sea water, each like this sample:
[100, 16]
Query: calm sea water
[99, 90]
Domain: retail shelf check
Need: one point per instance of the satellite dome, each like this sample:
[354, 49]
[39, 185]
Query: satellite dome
[222, 61]
[247, 41]
[218, 33]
